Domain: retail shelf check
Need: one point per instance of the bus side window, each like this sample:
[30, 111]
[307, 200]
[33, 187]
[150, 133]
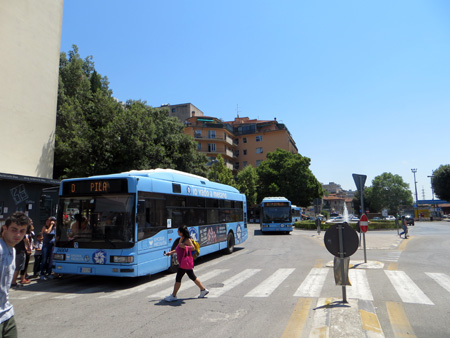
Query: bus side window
[140, 218]
[150, 217]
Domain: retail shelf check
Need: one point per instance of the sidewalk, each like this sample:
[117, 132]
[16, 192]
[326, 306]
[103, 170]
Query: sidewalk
[375, 240]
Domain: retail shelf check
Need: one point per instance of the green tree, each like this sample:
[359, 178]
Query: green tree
[247, 182]
[96, 134]
[367, 200]
[441, 182]
[218, 172]
[389, 191]
[287, 174]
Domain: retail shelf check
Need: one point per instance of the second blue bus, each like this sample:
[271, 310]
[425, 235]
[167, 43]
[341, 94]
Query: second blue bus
[276, 215]
[296, 214]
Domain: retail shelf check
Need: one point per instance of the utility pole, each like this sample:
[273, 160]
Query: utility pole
[432, 194]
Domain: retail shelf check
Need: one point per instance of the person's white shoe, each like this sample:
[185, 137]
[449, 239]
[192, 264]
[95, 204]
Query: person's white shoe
[171, 298]
[203, 293]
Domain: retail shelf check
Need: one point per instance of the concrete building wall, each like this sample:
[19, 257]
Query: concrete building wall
[251, 145]
[30, 32]
[183, 111]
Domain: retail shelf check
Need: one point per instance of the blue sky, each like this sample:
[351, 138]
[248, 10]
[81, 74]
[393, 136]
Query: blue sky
[363, 86]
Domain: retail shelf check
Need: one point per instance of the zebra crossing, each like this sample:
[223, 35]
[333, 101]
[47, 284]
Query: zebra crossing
[223, 282]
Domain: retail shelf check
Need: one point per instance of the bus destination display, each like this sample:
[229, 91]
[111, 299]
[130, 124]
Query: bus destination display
[276, 204]
[95, 187]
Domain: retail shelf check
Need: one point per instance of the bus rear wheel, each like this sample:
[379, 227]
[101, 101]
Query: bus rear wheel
[230, 243]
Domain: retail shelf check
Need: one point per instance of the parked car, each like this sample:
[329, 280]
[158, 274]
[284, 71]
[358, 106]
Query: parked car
[390, 218]
[409, 219]
[337, 219]
[377, 219]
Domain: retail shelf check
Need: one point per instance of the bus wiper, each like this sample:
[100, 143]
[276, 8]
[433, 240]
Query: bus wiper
[68, 242]
[110, 242]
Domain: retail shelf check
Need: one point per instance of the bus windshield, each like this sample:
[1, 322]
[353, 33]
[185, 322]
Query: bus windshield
[96, 222]
[276, 214]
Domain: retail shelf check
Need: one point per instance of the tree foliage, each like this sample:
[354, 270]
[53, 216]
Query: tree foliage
[287, 174]
[96, 134]
[219, 172]
[441, 182]
[367, 202]
[389, 192]
[247, 182]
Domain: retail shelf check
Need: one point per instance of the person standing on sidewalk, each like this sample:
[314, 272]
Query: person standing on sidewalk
[13, 232]
[47, 247]
[37, 245]
[180, 250]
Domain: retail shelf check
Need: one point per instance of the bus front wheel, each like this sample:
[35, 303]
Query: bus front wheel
[230, 243]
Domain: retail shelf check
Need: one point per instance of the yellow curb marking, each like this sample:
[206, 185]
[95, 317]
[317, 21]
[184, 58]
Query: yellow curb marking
[319, 263]
[393, 266]
[404, 243]
[370, 321]
[298, 319]
[399, 322]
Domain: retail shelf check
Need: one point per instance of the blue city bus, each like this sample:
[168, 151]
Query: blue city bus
[123, 224]
[296, 214]
[276, 215]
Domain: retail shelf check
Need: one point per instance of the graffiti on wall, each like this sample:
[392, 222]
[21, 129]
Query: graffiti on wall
[19, 194]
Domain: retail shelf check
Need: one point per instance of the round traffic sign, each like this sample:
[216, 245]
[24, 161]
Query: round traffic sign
[349, 237]
[364, 223]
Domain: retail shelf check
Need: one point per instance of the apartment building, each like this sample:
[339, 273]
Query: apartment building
[256, 138]
[240, 142]
[182, 111]
[213, 137]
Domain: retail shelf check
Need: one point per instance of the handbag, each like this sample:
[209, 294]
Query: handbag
[187, 263]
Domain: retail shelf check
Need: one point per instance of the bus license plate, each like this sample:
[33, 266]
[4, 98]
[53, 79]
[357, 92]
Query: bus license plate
[86, 270]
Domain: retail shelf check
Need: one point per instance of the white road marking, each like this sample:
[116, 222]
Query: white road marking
[408, 291]
[360, 288]
[441, 278]
[232, 282]
[266, 288]
[188, 283]
[313, 283]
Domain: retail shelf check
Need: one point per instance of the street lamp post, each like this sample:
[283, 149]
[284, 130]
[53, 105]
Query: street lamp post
[415, 186]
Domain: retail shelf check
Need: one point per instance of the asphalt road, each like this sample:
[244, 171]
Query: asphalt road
[272, 286]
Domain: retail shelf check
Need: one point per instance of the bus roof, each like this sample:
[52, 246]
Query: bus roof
[171, 175]
[275, 199]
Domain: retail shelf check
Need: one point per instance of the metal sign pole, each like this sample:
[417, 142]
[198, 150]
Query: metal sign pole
[341, 255]
[364, 239]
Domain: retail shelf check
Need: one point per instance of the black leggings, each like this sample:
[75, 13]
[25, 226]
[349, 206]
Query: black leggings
[181, 273]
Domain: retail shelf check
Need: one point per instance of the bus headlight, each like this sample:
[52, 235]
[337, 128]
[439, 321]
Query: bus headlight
[59, 257]
[122, 259]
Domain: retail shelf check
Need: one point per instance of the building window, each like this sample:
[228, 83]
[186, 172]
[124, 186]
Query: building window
[198, 133]
[244, 164]
[244, 151]
[259, 150]
[244, 140]
[211, 147]
[174, 110]
[258, 162]
[199, 146]
[211, 133]
[258, 138]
